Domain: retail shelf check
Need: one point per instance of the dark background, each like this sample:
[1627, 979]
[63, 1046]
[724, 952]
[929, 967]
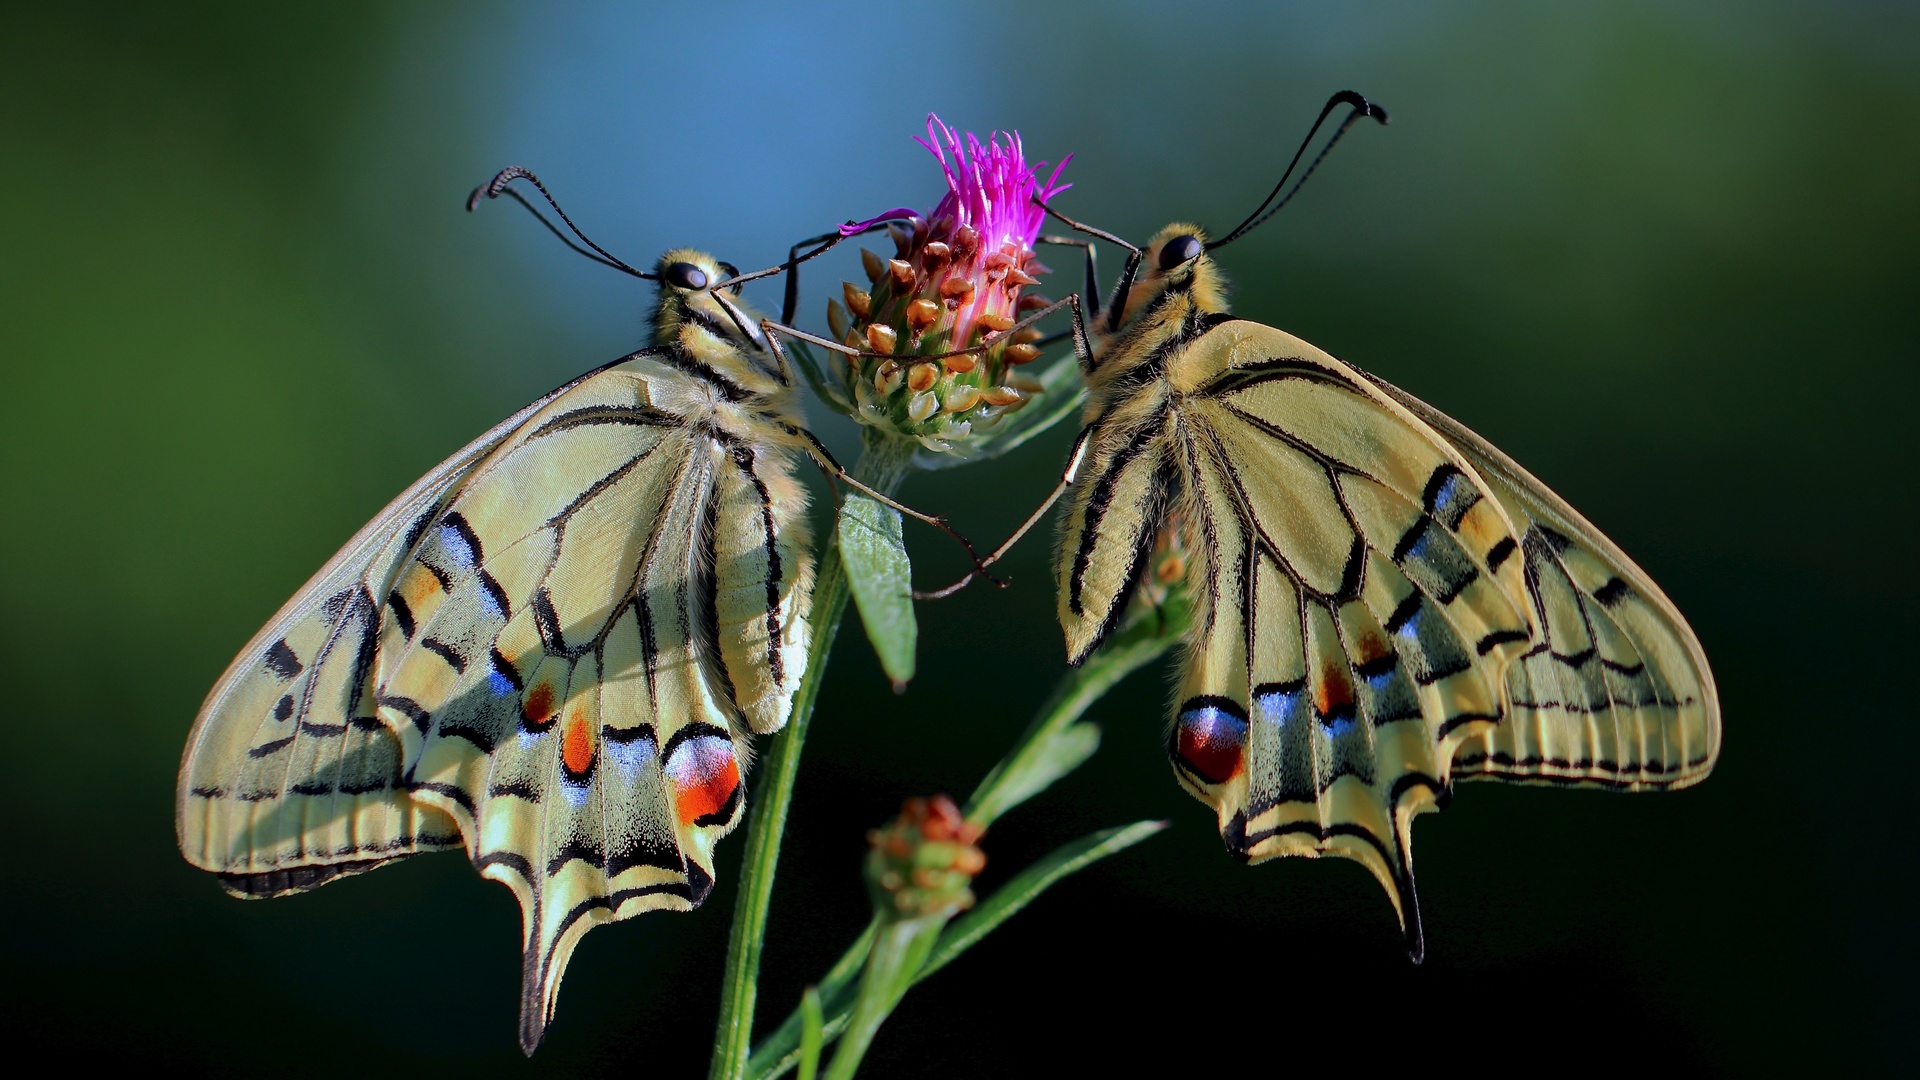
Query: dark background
[1665, 255]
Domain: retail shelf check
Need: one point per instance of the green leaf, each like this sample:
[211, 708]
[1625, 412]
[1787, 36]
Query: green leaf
[812, 1039]
[1055, 744]
[967, 930]
[879, 573]
[900, 951]
[780, 1051]
[1051, 755]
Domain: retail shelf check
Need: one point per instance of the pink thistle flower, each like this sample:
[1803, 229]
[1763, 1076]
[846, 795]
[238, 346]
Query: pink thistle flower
[956, 281]
[990, 188]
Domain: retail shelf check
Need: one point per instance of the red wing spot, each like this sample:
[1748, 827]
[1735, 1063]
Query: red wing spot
[1368, 647]
[418, 588]
[1332, 695]
[704, 775]
[576, 746]
[538, 708]
[1210, 741]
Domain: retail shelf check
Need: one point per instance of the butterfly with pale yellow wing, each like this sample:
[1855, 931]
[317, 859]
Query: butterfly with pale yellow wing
[549, 650]
[1384, 603]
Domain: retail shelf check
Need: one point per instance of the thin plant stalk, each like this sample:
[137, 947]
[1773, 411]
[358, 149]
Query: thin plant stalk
[1020, 775]
[883, 464]
[899, 951]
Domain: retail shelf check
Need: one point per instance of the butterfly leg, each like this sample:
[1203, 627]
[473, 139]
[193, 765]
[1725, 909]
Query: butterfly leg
[1080, 345]
[1067, 478]
[1118, 302]
[1090, 290]
[834, 470]
[1084, 353]
[790, 303]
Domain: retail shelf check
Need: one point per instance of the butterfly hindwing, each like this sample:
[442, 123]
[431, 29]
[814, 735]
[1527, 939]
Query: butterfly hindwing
[1125, 483]
[758, 547]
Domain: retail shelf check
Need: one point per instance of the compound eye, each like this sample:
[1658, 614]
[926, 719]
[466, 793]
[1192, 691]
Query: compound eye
[686, 276]
[728, 270]
[1178, 250]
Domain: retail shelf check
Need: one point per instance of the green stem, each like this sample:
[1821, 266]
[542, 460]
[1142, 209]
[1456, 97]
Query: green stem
[1020, 775]
[883, 465]
[899, 951]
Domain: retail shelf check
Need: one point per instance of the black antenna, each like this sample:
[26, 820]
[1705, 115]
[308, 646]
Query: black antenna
[827, 242]
[500, 185]
[1361, 107]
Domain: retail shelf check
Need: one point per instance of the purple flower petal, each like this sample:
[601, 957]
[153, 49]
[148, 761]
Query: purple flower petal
[896, 214]
[990, 186]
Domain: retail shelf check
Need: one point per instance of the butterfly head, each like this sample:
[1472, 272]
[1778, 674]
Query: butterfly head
[698, 305]
[1175, 266]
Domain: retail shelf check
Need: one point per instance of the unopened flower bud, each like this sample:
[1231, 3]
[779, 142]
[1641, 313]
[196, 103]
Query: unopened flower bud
[923, 863]
[902, 272]
[922, 406]
[921, 314]
[858, 300]
[881, 338]
[873, 264]
[1022, 354]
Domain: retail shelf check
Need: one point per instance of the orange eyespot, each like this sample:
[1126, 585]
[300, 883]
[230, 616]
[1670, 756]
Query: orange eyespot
[576, 746]
[538, 708]
[1332, 696]
[705, 779]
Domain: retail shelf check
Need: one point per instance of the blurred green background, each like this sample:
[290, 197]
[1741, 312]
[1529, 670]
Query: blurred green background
[1665, 255]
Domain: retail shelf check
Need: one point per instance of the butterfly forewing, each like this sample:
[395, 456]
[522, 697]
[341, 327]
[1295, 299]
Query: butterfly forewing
[1614, 691]
[1382, 602]
[290, 779]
